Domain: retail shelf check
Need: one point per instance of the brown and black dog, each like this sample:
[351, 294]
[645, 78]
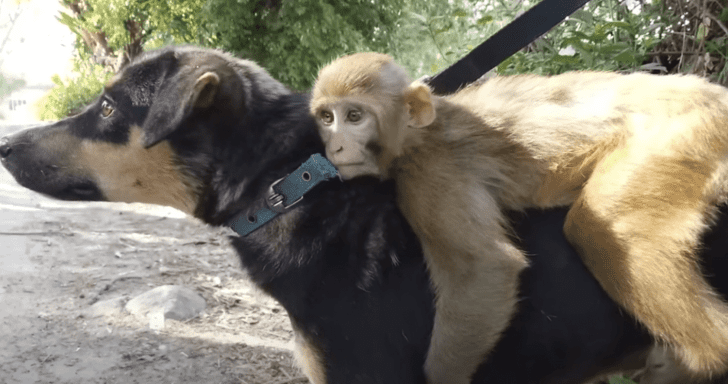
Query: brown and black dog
[207, 133]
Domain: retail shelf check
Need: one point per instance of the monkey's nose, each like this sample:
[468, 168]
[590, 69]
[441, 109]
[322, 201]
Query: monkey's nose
[5, 148]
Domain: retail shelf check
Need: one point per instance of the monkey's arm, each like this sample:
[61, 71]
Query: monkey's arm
[473, 265]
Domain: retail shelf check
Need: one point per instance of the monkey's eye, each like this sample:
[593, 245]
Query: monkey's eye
[353, 116]
[326, 117]
[106, 109]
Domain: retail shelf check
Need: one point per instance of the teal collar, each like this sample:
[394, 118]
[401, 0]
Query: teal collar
[286, 192]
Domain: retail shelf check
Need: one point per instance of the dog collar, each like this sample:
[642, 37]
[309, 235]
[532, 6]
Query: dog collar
[286, 192]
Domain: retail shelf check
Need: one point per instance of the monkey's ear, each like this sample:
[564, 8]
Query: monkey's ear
[419, 103]
[175, 101]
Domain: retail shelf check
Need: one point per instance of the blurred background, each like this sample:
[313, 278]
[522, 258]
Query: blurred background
[71, 47]
[34, 46]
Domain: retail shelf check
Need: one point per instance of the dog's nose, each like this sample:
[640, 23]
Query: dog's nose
[5, 147]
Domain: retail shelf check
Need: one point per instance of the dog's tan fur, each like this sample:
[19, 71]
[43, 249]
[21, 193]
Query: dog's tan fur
[309, 357]
[127, 172]
[642, 157]
[139, 177]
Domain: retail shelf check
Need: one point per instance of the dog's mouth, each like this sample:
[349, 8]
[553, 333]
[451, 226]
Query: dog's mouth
[351, 170]
[58, 186]
[83, 190]
[50, 179]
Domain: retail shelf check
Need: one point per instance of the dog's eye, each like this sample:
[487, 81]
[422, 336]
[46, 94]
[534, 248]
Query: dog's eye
[106, 109]
[326, 117]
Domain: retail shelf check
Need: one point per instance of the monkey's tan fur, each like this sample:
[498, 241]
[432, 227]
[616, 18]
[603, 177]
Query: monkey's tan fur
[641, 157]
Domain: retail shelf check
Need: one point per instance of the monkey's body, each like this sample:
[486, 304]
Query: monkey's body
[644, 159]
[641, 157]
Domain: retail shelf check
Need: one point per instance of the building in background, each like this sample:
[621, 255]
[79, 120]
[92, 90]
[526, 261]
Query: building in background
[33, 47]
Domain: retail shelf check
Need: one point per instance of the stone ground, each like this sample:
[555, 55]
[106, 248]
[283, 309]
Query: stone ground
[57, 259]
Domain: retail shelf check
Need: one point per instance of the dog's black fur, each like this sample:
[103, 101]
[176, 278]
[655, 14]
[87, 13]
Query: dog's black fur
[344, 263]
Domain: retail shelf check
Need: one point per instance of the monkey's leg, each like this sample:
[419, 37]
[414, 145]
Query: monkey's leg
[636, 225]
[474, 268]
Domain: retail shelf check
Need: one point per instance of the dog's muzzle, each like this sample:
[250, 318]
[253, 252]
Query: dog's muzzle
[42, 170]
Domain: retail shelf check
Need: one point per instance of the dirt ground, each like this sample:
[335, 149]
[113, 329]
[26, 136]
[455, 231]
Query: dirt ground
[57, 259]
[80, 256]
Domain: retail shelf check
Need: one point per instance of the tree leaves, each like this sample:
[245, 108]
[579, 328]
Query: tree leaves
[69, 95]
[294, 39]
[605, 35]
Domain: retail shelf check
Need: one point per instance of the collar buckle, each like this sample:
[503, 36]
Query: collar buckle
[274, 200]
[312, 172]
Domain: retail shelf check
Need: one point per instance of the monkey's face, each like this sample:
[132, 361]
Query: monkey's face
[350, 133]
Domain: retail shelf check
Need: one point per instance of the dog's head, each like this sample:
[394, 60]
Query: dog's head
[149, 137]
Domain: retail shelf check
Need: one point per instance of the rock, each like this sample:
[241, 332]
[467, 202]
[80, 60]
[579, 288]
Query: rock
[156, 319]
[173, 301]
[109, 308]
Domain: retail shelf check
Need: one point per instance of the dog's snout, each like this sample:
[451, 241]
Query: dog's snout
[5, 148]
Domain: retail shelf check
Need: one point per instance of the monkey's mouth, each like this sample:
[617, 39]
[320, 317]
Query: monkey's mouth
[354, 169]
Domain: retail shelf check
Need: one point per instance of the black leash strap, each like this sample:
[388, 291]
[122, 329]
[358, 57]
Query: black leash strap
[511, 38]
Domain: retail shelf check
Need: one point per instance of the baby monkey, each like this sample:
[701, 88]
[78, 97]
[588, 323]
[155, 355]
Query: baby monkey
[641, 159]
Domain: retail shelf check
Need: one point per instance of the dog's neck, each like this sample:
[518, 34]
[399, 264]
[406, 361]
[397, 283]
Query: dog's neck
[248, 158]
[285, 193]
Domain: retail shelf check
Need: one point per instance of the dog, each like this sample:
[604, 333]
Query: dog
[207, 133]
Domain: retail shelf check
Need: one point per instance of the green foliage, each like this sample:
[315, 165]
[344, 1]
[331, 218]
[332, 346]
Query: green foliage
[293, 39]
[160, 20]
[70, 95]
[433, 35]
[178, 21]
[697, 43]
[161, 23]
[605, 35]
[719, 47]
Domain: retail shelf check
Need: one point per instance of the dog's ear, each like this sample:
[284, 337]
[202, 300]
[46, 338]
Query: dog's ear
[175, 101]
